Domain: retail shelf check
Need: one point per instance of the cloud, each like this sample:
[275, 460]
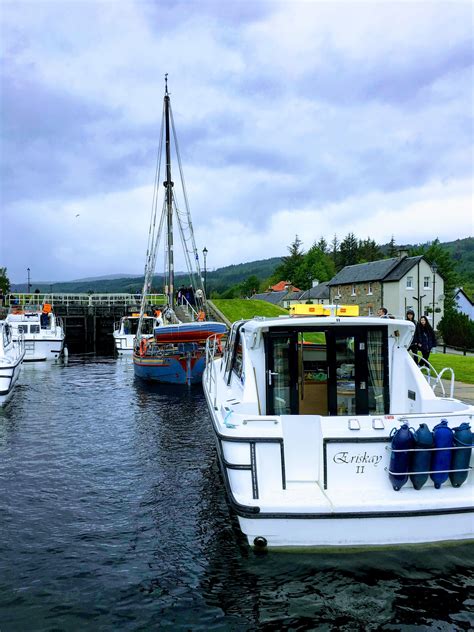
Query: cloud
[308, 117]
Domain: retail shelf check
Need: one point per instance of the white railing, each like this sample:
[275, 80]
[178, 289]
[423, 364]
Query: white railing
[213, 346]
[435, 380]
[188, 308]
[85, 300]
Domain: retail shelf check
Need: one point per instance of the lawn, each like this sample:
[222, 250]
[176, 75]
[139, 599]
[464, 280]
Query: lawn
[242, 308]
[463, 366]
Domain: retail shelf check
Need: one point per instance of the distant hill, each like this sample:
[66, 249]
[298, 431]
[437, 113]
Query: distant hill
[220, 280]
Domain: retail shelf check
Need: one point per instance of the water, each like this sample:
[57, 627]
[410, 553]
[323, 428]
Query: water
[113, 517]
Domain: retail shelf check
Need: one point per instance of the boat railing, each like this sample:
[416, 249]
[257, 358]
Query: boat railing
[434, 378]
[213, 347]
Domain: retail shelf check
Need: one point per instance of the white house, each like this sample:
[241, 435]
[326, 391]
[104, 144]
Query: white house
[463, 303]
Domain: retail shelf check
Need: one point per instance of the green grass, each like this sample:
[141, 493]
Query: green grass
[463, 366]
[242, 308]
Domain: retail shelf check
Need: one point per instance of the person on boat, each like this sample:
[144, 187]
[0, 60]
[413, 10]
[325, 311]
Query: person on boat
[44, 320]
[382, 312]
[199, 295]
[126, 326]
[410, 315]
[424, 339]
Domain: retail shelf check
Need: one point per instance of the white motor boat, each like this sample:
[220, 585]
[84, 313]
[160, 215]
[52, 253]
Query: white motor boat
[42, 331]
[11, 357]
[125, 330]
[303, 411]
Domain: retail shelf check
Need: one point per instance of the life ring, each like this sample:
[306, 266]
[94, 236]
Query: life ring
[143, 347]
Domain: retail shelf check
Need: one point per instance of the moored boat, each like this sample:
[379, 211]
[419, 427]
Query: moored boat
[176, 352]
[11, 357]
[314, 420]
[42, 331]
[126, 330]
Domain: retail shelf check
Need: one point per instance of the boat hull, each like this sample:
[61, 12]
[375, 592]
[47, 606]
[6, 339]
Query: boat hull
[170, 370]
[43, 350]
[8, 378]
[124, 343]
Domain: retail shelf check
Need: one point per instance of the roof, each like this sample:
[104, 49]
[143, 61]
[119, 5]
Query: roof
[284, 285]
[382, 270]
[320, 291]
[270, 297]
[460, 290]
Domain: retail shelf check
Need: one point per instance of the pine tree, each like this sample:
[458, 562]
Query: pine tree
[392, 248]
[288, 269]
[349, 250]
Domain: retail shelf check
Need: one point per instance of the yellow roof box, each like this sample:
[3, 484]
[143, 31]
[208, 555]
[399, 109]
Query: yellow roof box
[324, 310]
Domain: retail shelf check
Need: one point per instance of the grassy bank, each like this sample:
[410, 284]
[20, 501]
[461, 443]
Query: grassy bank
[463, 366]
[241, 308]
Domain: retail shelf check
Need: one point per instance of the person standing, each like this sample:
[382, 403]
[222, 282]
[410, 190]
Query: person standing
[410, 315]
[424, 339]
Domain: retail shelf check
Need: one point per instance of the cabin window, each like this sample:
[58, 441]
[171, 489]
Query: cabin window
[375, 362]
[426, 283]
[34, 329]
[409, 285]
[369, 290]
[353, 293]
[22, 329]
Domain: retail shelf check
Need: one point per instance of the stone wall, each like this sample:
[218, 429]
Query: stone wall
[361, 298]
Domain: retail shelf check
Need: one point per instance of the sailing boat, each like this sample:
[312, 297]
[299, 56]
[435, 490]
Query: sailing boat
[176, 352]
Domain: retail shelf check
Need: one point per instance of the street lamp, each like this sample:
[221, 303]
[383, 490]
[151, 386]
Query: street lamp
[434, 269]
[29, 284]
[419, 300]
[204, 252]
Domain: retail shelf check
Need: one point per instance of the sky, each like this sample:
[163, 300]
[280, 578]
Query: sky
[309, 118]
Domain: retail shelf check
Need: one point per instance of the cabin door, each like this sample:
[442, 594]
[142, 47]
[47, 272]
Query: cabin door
[357, 371]
[282, 373]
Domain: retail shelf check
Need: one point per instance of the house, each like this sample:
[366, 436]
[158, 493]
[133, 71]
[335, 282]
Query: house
[463, 303]
[399, 283]
[283, 285]
[318, 294]
[275, 298]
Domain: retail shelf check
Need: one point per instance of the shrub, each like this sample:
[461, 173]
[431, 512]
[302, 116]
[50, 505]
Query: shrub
[457, 330]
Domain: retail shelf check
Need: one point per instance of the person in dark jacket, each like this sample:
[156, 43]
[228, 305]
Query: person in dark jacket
[410, 315]
[424, 339]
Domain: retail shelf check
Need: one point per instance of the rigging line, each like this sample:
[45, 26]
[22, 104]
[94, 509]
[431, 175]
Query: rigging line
[154, 205]
[186, 202]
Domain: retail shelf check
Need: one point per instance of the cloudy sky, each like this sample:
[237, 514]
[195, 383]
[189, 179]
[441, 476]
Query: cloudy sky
[293, 117]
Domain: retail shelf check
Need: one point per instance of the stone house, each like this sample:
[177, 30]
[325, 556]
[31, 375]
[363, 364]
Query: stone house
[399, 284]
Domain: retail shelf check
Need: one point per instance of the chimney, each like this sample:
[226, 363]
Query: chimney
[402, 253]
[315, 282]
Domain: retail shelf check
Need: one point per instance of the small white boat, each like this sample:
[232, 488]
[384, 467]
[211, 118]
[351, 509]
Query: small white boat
[42, 331]
[304, 410]
[11, 357]
[126, 328]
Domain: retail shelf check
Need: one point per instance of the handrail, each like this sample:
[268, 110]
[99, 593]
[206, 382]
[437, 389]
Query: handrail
[212, 345]
[428, 367]
[183, 301]
[82, 299]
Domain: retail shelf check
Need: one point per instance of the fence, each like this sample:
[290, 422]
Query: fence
[86, 300]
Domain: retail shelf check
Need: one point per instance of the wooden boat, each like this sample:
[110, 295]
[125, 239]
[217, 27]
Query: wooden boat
[304, 412]
[176, 353]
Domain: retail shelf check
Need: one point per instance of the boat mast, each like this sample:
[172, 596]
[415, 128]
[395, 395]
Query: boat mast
[169, 197]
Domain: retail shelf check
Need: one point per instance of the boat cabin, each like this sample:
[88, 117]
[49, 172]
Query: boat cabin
[329, 366]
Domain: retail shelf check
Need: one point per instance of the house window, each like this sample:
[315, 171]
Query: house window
[426, 283]
[369, 289]
[338, 295]
[353, 290]
[370, 312]
[409, 283]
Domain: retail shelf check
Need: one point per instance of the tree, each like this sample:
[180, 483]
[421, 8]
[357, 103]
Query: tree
[287, 270]
[368, 250]
[457, 330]
[323, 246]
[392, 248]
[317, 265]
[348, 250]
[335, 251]
[4, 281]
[435, 253]
[250, 286]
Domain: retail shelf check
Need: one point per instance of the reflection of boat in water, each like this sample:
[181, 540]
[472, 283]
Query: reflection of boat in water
[126, 330]
[11, 357]
[41, 330]
[303, 411]
[176, 352]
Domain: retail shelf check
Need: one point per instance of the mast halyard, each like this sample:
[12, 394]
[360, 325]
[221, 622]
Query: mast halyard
[169, 199]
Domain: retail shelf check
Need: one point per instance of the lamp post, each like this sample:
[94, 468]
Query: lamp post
[204, 252]
[434, 269]
[419, 300]
[29, 284]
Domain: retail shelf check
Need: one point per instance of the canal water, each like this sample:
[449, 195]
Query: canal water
[113, 517]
